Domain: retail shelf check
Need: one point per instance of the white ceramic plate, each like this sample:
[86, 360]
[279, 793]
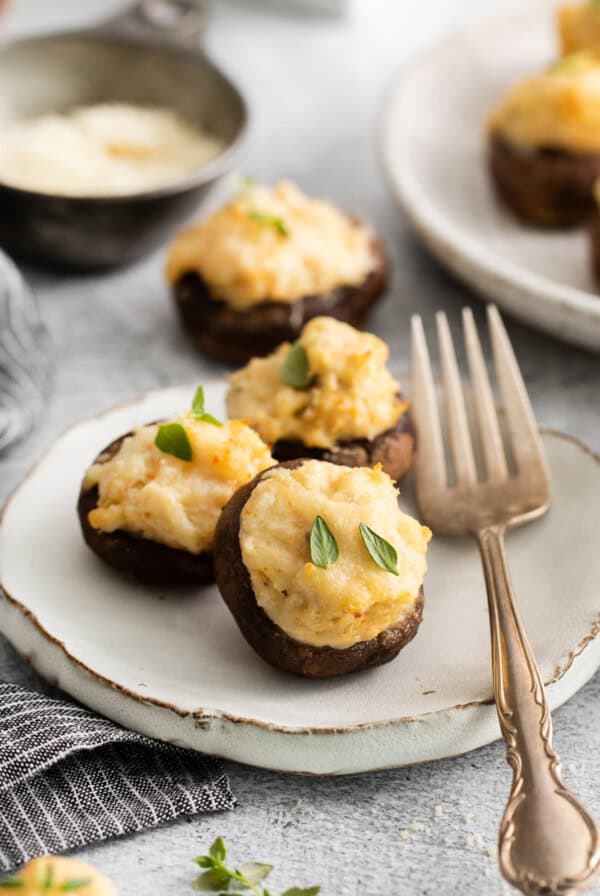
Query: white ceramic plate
[173, 665]
[433, 149]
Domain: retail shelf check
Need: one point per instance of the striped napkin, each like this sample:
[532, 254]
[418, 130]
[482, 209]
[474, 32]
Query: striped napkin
[69, 778]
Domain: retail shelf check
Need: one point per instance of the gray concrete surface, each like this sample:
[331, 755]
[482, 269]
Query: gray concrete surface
[315, 85]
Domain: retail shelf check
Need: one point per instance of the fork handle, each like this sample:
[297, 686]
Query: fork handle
[549, 844]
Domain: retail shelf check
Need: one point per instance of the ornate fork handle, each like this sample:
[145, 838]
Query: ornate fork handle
[548, 843]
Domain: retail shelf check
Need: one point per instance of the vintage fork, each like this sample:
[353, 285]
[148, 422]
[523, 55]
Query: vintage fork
[548, 843]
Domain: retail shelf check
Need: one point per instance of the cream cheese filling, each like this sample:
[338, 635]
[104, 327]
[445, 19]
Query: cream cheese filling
[558, 108]
[146, 492]
[353, 600]
[273, 245]
[353, 395]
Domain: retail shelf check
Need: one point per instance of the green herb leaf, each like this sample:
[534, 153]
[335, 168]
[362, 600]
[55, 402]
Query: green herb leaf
[198, 402]
[248, 877]
[198, 411]
[266, 220]
[255, 872]
[218, 851]
[46, 882]
[323, 546]
[172, 438]
[208, 418]
[573, 63]
[75, 884]
[214, 881]
[11, 883]
[302, 891]
[381, 551]
[296, 368]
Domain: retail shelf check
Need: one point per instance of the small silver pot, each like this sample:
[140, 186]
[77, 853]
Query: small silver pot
[149, 55]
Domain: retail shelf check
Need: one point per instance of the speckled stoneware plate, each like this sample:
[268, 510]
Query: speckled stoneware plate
[172, 664]
[433, 148]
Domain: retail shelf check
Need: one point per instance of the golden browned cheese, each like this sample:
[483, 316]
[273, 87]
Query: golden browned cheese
[354, 599]
[353, 395]
[273, 245]
[579, 27]
[49, 875]
[155, 495]
[558, 108]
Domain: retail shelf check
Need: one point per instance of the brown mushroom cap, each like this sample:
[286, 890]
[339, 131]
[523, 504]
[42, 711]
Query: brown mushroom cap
[268, 639]
[595, 241]
[140, 558]
[545, 187]
[393, 449]
[237, 336]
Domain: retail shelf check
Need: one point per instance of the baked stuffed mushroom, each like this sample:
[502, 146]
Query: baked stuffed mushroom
[579, 27]
[329, 396]
[149, 503]
[250, 276]
[544, 143]
[320, 568]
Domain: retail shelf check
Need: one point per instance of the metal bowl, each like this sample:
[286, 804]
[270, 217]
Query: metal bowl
[149, 56]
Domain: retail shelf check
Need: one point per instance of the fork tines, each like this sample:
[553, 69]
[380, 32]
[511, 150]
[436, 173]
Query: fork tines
[522, 435]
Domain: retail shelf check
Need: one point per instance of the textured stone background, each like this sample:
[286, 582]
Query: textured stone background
[315, 85]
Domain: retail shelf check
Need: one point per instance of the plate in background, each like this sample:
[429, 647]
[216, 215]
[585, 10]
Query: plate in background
[433, 148]
[172, 664]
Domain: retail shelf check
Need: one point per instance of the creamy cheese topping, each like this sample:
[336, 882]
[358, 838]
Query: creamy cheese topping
[353, 600]
[157, 496]
[273, 245]
[107, 149]
[579, 27]
[559, 108]
[56, 874]
[353, 394]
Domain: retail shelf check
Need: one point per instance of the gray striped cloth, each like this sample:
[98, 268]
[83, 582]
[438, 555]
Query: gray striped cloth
[69, 778]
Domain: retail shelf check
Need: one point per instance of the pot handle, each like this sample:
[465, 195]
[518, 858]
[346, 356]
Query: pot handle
[180, 23]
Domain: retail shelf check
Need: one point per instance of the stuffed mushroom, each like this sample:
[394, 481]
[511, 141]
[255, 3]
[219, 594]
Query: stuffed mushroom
[150, 502]
[544, 143]
[250, 276]
[329, 396]
[321, 570]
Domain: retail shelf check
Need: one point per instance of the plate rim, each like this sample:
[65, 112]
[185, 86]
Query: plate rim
[201, 716]
[451, 244]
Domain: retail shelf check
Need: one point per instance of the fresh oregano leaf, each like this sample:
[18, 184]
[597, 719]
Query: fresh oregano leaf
[208, 418]
[323, 546]
[216, 880]
[227, 881]
[218, 851]
[171, 438]
[255, 872]
[198, 411]
[46, 882]
[266, 220]
[296, 368]
[573, 63]
[77, 883]
[198, 402]
[381, 551]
